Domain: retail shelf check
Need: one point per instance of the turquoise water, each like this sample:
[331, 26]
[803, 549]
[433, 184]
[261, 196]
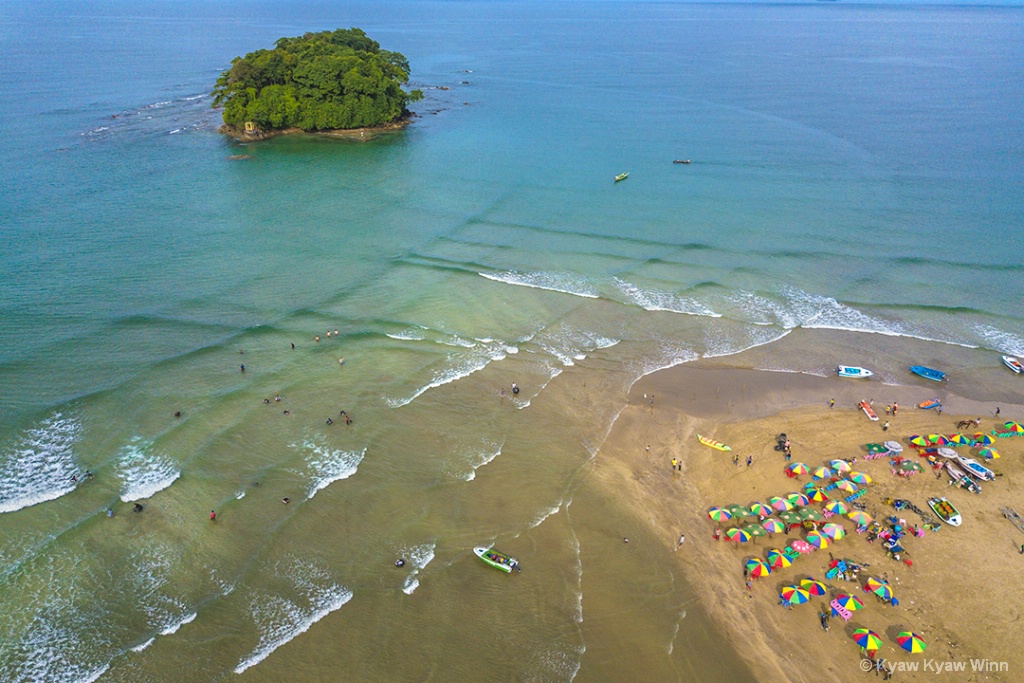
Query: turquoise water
[854, 167]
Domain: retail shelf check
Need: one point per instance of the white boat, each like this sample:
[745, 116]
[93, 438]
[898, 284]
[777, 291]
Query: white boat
[945, 510]
[853, 371]
[972, 466]
[1013, 364]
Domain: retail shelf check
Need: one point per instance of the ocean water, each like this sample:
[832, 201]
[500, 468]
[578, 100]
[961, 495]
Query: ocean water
[854, 167]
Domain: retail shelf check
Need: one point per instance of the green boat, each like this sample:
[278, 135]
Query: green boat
[622, 176]
[497, 559]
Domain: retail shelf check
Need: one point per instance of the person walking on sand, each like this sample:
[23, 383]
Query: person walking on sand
[750, 460]
[832, 403]
[675, 463]
[885, 426]
[895, 407]
[736, 459]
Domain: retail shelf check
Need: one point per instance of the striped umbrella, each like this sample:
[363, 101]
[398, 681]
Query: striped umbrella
[780, 504]
[1014, 427]
[867, 639]
[778, 560]
[817, 539]
[882, 590]
[911, 642]
[795, 595]
[960, 440]
[938, 440]
[798, 499]
[760, 509]
[812, 586]
[840, 465]
[837, 507]
[810, 513]
[719, 514]
[860, 517]
[798, 468]
[983, 439]
[817, 496]
[738, 535]
[846, 485]
[833, 531]
[772, 525]
[859, 478]
[757, 568]
[849, 602]
[822, 473]
[989, 453]
[919, 441]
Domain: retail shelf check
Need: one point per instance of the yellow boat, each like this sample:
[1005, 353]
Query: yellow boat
[622, 176]
[717, 445]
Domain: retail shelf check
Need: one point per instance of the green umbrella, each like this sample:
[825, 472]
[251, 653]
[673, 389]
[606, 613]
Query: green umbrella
[810, 513]
[755, 530]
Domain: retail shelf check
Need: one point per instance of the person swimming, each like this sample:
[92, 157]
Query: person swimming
[330, 421]
[515, 388]
[137, 507]
[286, 500]
[400, 562]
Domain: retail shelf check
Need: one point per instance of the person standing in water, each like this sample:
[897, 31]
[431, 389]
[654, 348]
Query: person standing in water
[515, 388]
[213, 516]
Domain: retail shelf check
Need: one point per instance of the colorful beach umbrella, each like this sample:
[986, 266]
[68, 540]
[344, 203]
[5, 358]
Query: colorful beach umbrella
[983, 439]
[719, 514]
[846, 485]
[812, 586]
[989, 453]
[859, 478]
[851, 603]
[880, 588]
[810, 513]
[773, 526]
[919, 441]
[798, 468]
[911, 642]
[840, 465]
[867, 639]
[780, 504]
[938, 440]
[801, 546]
[795, 595]
[760, 509]
[738, 535]
[817, 539]
[833, 530]
[837, 507]
[860, 517]
[798, 499]
[757, 568]
[817, 496]
[822, 473]
[1014, 427]
[778, 560]
[960, 440]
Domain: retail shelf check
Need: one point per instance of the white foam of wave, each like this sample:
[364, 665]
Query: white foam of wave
[552, 373]
[719, 345]
[325, 465]
[142, 646]
[176, 130]
[457, 366]
[660, 300]
[419, 557]
[144, 474]
[456, 340]
[40, 465]
[175, 625]
[544, 516]
[486, 452]
[1005, 342]
[193, 97]
[570, 345]
[565, 283]
[281, 620]
[408, 335]
[151, 572]
[240, 495]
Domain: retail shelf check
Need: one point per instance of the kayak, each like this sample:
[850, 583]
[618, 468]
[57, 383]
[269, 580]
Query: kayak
[717, 445]
[866, 407]
[622, 176]
[929, 404]
[928, 373]
[945, 510]
[853, 371]
[497, 559]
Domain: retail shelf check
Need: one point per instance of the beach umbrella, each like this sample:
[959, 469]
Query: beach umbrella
[798, 499]
[911, 466]
[946, 452]
[894, 446]
[810, 513]
[960, 440]
[860, 517]
[867, 639]
[851, 603]
[911, 642]
[817, 496]
[719, 514]
[989, 453]
[798, 468]
[738, 535]
[778, 560]
[919, 441]
[938, 440]
[812, 586]
[822, 473]
[846, 485]
[837, 507]
[833, 531]
[859, 478]
[879, 588]
[795, 595]
[738, 510]
[817, 539]
[1014, 427]
[840, 465]
[773, 526]
[760, 509]
[983, 439]
[757, 568]
[789, 516]
[801, 546]
[780, 504]
[755, 530]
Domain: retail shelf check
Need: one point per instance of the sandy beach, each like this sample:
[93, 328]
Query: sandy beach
[959, 589]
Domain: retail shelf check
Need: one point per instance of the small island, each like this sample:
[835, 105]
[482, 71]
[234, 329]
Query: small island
[328, 82]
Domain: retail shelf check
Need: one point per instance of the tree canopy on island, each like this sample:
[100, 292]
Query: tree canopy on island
[320, 81]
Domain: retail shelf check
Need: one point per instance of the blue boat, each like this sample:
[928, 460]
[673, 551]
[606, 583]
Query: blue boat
[928, 373]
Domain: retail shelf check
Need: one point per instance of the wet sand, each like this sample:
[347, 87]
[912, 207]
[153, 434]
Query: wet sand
[961, 593]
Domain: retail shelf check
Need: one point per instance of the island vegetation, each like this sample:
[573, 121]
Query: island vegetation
[327, 81]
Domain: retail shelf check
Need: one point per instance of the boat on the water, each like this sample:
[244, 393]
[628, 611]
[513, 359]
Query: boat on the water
[717, 445]
[680, 161]
[622, 176]
[945, 511]
[853, 371]
[929, 404]
[928, 373]
[497, 559]
[868, 410]
[974, 467]
[1013, 364]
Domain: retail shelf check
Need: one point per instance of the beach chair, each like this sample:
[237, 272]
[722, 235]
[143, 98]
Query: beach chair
[839, 610]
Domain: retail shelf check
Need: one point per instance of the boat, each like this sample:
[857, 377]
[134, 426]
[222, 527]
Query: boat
[866, 407]
[972, 466]
[928, 373]
[622, 176]
[680, 161]
[929, 404]
[497, 559]
[945, 511]
[717, 445]
[1013, 364]
[853, 371]
[960, 478]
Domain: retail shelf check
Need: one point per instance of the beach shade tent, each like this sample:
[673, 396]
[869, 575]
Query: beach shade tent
[851, 603]
[859, 478]
[911, 466]
[840, 465]
[938, 440]
[988, 453]
[797, 468]
[773, 526]
[946, 452]
[719, 514]
[833, 530]
[959, 440]
[738, 510]
[790, 517]
[757, 568]
[846, 485]
[798, 499]
[780, 504]
[755, 530]
[811, 514]
[919, 441]
[817, 539]
[1014, 428]
[817, 496]
[911, 642]
[738, 535]
[778, 560]
[860, 517]
[894, 446]
[812, 586]
[983, 439]
[822, 472]
[867, 639]
[760, 510]
[837, 507]
[794, 595]
[801, 547]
